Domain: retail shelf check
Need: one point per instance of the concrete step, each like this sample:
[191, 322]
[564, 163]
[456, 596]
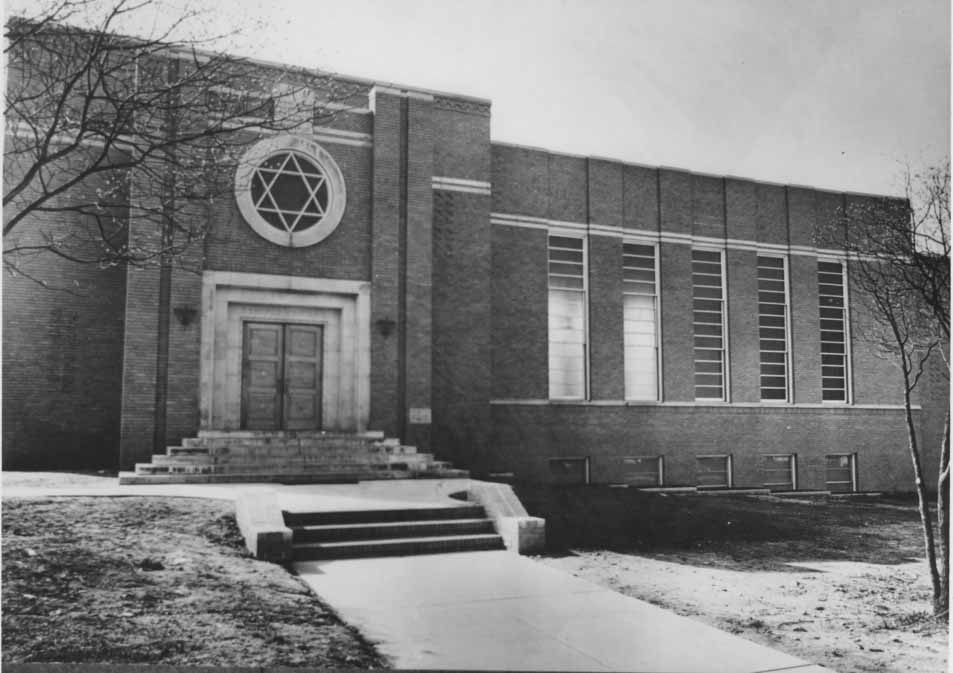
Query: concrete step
[394, 529]
[287, 468]
[396, 547]
[404, 514]
[291, 443]
[267, 434]
[182, 459]
[294, 477]
[186, 450]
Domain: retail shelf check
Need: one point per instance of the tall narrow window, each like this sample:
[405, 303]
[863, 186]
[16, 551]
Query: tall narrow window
[772, 328]
[708, 303]
[640, 321]
[833, 322]
[567, 318]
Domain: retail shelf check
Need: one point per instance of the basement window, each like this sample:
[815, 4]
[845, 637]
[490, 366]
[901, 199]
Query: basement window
[713, 471]
[779, 471]
[642, 471]
[841, 473]
[569, 470]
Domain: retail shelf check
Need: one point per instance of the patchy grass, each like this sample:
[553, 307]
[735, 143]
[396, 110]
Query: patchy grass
[839, 582]
[158, 581]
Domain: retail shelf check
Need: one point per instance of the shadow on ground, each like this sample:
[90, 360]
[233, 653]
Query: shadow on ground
[740, 532]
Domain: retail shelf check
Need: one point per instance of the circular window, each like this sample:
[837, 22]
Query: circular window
[290, 191]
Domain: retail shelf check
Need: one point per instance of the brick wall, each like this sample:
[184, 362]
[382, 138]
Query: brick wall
[232, 245]
[744, 353]
[419, 266]
[520, 302]
[62, 346]
[525, 438]
[532, 183]
[607, 375]
[461, 292]
[675, 297]
[385, 262]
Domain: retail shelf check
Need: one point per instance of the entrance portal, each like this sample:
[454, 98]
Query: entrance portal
[281, 376]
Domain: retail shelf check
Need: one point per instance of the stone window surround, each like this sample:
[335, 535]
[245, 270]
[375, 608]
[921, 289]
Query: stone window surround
[334, 180]
[344, 306]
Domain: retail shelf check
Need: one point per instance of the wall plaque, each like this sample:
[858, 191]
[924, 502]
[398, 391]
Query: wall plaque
[420, 415]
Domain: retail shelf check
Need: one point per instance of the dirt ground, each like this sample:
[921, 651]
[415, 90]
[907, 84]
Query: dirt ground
[156, 580]
[840, 583]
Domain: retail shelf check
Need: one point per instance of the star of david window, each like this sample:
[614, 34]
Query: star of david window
[290, 191]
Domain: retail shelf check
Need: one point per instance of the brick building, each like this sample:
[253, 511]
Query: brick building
[509, 309]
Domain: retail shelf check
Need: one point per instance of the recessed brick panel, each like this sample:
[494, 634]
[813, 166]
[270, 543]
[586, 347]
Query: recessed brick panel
[741, 203]
[802, 216]
[640, 200]
[520, 181]
[708, 206]
[805, 329]
[744, 354]
[606, 352]
[568, 193]
[678, 373]
[772, 221]
[605, 193]
[462, 147]
[676, 200]
[520, 367]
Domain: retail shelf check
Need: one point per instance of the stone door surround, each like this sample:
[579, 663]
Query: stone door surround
[342, 307]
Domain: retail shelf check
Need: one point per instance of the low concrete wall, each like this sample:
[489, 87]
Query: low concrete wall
[521, 532]
[261, 522]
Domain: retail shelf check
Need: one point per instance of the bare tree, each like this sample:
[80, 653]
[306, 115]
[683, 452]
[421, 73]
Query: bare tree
[104, 130]
[899, 271]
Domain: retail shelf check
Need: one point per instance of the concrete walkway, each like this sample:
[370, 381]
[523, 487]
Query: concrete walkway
[500, 611]
[478, 610]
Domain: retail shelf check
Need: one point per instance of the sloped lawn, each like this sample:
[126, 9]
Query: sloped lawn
[159, 581]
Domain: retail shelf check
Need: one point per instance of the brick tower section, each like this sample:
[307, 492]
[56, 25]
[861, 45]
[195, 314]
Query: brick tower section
[461, 283]
[401, 264]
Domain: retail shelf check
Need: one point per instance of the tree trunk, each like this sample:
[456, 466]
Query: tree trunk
[922, 501]
[943, 518]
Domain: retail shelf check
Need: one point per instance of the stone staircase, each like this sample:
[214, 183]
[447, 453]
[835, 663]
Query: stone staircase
[287, 457]
[390, 532]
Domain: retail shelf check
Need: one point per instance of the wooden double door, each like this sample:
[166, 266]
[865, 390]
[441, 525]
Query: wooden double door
[282, 365]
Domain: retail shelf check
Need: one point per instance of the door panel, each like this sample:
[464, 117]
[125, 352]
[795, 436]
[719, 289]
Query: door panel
[281, 376]
[302, 404]
[261, 376]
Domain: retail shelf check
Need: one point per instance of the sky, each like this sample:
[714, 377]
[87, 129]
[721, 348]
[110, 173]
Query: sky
[839, 94]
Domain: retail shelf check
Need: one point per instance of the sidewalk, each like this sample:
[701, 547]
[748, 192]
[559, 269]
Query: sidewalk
[501, 611]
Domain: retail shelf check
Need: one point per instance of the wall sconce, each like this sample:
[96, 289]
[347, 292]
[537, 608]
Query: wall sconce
[386, 326]
[185, 315]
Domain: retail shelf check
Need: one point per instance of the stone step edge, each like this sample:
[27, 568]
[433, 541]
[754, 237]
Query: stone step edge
[385, 515]
[397, 542]
[315, 468]
[390, 530]
[205, 459]
[291, 434]
[131, 478]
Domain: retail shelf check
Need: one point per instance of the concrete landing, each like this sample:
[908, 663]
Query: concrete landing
[501, 611]
[300, 497]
